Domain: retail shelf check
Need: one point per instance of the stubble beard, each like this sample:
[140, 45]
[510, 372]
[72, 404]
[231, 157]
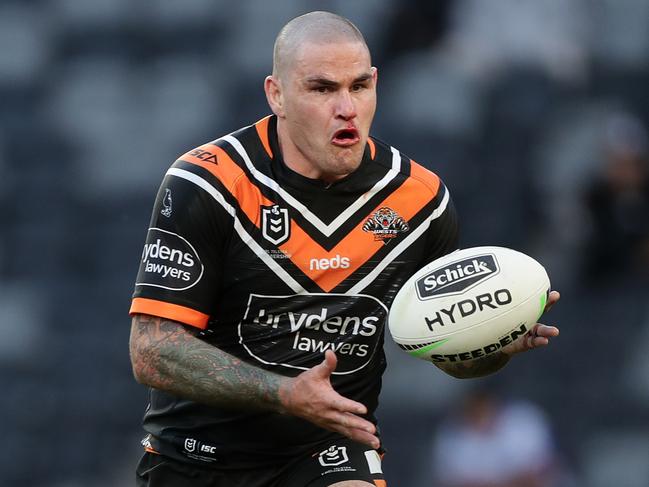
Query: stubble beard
[345, 162]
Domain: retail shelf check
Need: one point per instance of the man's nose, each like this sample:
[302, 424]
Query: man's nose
[345, 107]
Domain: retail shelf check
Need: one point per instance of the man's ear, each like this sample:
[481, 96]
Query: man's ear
[274, 95]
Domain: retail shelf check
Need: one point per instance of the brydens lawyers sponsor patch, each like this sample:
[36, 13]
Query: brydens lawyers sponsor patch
[169, 261]
[295, 331]
[456, 277]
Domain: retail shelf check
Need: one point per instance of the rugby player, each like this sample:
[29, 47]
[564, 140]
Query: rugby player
[271, 259]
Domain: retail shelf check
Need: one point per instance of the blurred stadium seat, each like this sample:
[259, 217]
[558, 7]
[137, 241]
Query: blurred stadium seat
[98, 98]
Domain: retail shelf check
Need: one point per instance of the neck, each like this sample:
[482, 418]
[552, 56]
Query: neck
[297, 161]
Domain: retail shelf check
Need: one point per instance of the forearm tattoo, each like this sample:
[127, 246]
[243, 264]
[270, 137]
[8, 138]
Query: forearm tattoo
[167, 356]
[477, 367]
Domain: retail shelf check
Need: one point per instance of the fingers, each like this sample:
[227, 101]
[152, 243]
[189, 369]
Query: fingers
[353, 422]
[330, 361]
[344, 405]
[312, 397]
[327, 367]
[539, 336]
[553, 297]
[532, 341]
[358, 429]
[542, 330]
[365, 438]
[344, 415]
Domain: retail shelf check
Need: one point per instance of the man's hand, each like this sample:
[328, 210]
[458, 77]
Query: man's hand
[538, 336]
[166, 355]
[310, 396]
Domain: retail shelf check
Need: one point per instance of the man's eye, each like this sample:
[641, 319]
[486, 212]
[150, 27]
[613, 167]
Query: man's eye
[323, 89]
[358, 87]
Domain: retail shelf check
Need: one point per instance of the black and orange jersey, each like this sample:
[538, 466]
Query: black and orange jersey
[275, 269]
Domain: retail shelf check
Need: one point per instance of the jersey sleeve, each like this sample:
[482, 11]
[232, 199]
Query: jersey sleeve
[181, 262]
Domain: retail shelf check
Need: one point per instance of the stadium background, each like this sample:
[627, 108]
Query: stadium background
[518, 104]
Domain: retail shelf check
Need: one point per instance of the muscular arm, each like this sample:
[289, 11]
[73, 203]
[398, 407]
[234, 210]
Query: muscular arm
[166, 355]
[477, 367]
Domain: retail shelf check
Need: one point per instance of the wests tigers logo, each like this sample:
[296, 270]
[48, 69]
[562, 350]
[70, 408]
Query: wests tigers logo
[385, 224]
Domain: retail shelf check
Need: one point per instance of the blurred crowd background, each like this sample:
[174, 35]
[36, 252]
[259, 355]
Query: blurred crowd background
[534, 112]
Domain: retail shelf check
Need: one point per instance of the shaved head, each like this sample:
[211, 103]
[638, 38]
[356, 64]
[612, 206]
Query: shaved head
[315, 27]
[323, 93]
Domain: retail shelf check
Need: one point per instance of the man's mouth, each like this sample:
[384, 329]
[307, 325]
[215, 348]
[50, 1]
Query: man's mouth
[345, 137]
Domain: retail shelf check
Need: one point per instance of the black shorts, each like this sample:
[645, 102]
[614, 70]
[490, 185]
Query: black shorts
[331, 463]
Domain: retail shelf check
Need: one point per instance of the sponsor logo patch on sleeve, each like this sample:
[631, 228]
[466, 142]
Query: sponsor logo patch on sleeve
[169, 261]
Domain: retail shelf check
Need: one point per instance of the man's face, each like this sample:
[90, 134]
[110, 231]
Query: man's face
[329, 100]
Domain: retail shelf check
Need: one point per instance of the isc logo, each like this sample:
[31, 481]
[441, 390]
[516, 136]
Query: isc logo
[336, 262]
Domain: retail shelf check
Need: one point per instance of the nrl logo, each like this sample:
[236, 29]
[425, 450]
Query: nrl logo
[385, 224]
[275, 224]
[333, 456]
[190, 444]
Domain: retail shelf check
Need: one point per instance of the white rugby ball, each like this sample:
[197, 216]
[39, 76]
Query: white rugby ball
[468, 304]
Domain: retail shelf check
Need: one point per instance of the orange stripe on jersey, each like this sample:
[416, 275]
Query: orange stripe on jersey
[321, 266]
[170, 311]
[307, 254]
[206, 153]
[422, 174]
[380, 483]
[370, 142]
[216, 161]
[262, 131]
[358, 244]
[234, 179]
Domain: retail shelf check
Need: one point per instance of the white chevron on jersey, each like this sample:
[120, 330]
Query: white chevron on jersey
[325, 229]
[413, 235]
[243, 234]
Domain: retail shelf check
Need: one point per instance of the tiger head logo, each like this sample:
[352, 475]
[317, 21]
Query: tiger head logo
[385, 224]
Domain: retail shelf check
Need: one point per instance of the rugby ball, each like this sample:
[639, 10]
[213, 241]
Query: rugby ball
[468, 304]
